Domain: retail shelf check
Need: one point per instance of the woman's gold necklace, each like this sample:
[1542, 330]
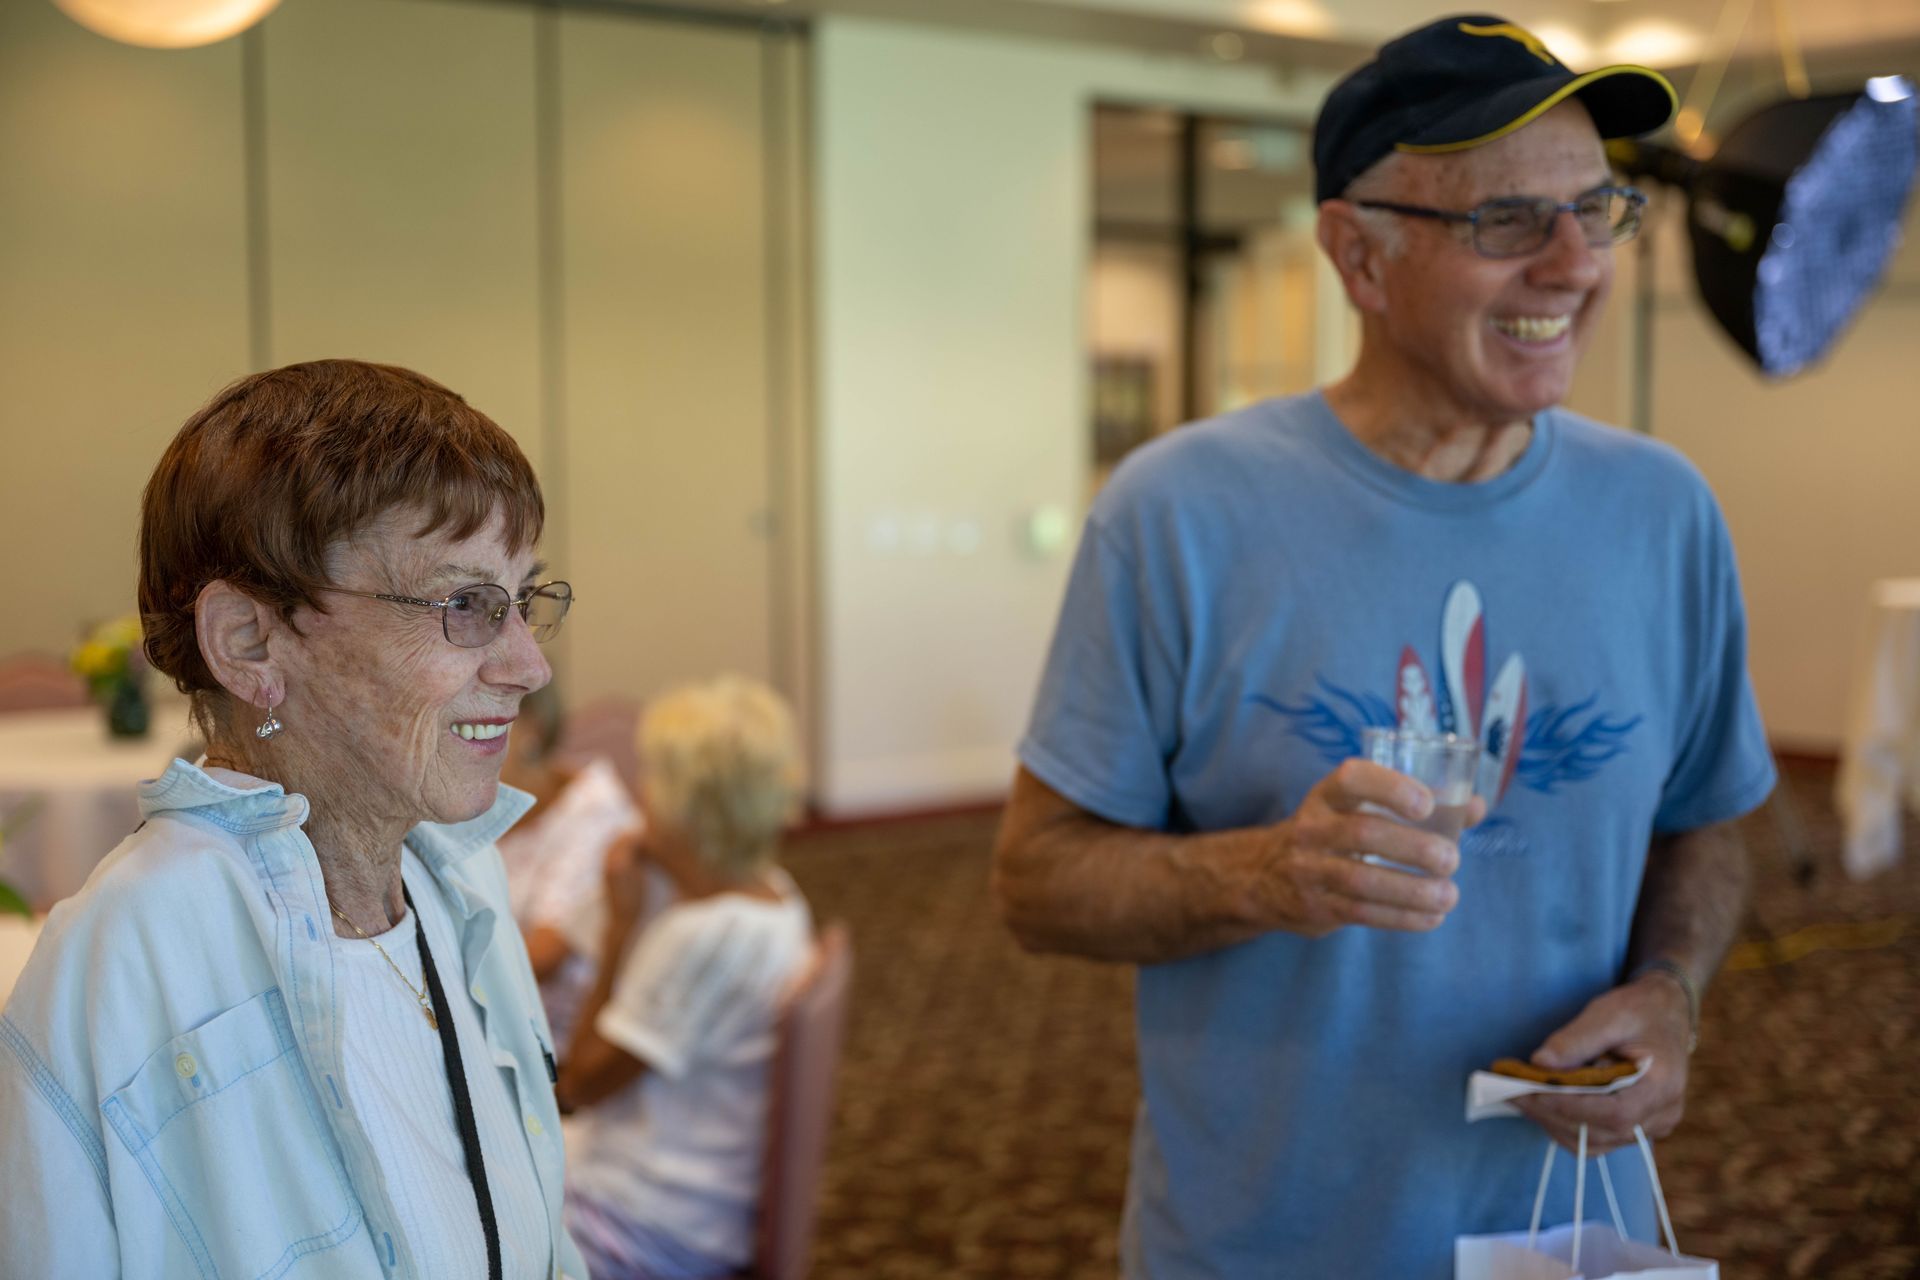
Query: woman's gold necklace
[426, 1005]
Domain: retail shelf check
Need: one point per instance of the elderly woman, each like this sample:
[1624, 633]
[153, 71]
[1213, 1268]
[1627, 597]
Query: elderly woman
[670, 1058]
[288, 1028]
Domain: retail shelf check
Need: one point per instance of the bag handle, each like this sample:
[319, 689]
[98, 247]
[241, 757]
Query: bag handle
[1579, 1194]
[1659, 1196]
[1613, 1204]
[1606, 1183]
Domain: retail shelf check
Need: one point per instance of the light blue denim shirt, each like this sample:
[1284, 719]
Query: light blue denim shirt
[170, 1060]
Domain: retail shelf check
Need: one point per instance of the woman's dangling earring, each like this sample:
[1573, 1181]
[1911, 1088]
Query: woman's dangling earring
[270, 726]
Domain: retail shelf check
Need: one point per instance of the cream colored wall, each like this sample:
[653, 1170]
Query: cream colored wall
[666, 466]
[1603, 381]
[788, 92]
[401, 211]
[123, 296]
[953, 197]
[562, 215]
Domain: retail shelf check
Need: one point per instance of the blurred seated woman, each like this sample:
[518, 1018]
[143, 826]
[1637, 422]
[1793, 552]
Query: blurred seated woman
[556, 855]
[669, 1062]
[282, 1031]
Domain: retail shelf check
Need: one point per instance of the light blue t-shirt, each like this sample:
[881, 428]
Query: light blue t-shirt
[1249, 593]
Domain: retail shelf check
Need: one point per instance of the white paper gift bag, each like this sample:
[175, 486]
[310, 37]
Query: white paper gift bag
[1580, 1251]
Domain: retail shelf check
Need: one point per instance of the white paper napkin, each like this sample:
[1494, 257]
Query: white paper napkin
[1488, 1094]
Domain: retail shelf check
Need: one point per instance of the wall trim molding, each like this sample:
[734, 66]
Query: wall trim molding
[959, 778]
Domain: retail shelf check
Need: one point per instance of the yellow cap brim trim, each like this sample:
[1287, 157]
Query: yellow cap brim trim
[1540, 108]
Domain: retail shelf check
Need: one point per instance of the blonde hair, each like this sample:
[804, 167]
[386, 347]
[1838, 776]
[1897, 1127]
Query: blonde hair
[722, 764]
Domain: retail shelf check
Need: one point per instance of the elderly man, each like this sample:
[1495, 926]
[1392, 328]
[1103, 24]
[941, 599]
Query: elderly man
[1431, 543]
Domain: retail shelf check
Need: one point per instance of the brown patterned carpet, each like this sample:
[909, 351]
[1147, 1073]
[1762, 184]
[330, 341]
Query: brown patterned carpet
[986, 1095]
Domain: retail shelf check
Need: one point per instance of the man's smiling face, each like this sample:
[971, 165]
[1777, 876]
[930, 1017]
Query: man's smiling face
[1498, 338]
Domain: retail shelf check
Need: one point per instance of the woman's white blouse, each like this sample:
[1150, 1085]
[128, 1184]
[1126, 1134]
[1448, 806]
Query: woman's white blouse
[396, 1080]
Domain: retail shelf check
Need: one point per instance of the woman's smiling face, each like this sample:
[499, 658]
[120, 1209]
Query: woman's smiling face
[401, 723]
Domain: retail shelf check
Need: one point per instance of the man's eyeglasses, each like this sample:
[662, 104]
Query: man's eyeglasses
[1514, 226]
[472, 616]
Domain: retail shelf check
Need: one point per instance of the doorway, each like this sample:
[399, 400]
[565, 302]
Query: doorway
[1206, 289]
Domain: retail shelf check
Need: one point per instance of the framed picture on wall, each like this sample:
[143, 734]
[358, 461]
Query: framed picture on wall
[1123, 390]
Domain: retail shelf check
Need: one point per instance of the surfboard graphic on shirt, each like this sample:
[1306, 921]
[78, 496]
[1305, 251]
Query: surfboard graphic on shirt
[1414, 695]
[1541, 745]
[1463, 660]
[1503, 730]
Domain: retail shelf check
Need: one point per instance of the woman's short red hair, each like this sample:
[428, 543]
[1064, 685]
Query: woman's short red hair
[282, 466]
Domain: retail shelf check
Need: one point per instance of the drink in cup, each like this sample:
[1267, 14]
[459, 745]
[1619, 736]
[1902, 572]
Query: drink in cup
[1444, 764]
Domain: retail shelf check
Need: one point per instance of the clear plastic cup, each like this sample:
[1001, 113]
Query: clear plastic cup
[1446, 765]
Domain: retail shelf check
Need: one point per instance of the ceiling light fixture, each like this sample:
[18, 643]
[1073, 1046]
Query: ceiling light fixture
[166, 24]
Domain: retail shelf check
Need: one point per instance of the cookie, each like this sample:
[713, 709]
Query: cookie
[1594, 1074]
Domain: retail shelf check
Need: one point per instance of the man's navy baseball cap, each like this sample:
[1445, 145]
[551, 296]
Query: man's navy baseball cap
[1462, 81]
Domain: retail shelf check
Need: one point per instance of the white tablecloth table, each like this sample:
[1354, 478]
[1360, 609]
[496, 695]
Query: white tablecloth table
[79, 783]
[1880, 759]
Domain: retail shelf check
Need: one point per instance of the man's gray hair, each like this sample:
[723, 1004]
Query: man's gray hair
[1381, 180]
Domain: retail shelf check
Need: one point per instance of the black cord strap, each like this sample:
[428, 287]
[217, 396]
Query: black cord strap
[462, 1103]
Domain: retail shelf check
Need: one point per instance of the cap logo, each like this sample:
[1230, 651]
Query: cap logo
[1519, 35]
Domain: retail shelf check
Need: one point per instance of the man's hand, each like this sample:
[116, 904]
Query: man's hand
[1646, 1018]
[1318, 874]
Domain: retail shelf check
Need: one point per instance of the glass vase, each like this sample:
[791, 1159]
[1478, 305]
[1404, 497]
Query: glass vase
[127, 713]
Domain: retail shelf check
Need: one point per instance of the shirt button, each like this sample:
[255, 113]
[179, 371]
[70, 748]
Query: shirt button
[479, 995]
[534, 1126]
[186, 1066]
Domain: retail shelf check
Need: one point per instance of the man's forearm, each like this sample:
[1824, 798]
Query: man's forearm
[1066, 880]
[1090, 888]
[1691, 901]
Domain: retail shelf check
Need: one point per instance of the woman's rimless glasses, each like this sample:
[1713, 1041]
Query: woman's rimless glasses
[472, 616]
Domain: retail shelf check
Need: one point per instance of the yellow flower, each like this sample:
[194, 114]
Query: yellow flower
[121, 633]
[105, 654]
[95, 660]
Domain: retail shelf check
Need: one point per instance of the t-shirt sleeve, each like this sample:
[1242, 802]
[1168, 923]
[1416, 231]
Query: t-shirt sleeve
[676, 987]
[1105, 721]
[1723, 766]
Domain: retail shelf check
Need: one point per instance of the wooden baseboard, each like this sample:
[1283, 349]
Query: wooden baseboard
[1806, 755]
[817, 823]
